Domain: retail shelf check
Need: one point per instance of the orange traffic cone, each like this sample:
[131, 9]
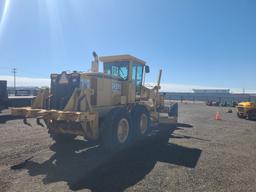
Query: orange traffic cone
[218, 116]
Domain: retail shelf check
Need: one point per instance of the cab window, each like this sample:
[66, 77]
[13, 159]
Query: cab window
[118, 69]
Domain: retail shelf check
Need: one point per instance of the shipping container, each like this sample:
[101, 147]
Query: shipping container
[3, 95]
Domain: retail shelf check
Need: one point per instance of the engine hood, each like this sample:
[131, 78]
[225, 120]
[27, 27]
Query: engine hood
[247, 104]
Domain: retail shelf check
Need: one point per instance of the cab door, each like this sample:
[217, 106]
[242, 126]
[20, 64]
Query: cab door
[137, 76]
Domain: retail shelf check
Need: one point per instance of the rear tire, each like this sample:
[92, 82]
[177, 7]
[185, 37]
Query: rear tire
[141, 121]
[117, 132]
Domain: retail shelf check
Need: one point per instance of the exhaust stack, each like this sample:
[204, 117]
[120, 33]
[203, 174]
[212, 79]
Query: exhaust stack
[95, 63]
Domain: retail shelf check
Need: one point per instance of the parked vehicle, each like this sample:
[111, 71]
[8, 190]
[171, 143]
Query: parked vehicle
[246, 110]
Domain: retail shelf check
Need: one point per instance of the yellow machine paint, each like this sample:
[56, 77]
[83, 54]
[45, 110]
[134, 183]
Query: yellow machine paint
[113, 106]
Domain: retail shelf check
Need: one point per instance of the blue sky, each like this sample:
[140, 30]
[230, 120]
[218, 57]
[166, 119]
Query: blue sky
[198, 43]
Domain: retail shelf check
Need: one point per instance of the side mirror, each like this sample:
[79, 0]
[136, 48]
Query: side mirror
[147, 69]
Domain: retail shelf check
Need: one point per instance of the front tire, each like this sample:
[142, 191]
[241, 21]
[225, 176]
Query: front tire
[141, 121]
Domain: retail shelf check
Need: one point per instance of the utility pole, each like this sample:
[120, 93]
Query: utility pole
[14, 71]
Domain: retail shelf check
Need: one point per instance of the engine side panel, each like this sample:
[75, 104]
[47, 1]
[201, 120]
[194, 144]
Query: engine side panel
[107, 91]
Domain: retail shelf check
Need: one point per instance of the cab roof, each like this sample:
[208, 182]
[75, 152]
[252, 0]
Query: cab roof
[113, 58]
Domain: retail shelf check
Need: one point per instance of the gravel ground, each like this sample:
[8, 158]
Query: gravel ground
[202, 155]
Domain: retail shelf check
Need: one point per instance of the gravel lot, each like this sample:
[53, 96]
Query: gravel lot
[202, 155]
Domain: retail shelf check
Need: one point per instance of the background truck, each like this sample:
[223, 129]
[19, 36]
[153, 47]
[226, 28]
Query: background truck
[114, 106]
[3, 95]
[246, 110]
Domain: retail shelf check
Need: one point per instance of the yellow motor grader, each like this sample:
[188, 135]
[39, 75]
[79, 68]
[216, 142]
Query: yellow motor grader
[113, 106]
[246, 110]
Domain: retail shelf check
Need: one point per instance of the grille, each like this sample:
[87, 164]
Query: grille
[62, 88]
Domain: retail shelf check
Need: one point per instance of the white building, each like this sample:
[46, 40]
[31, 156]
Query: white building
[212, 91]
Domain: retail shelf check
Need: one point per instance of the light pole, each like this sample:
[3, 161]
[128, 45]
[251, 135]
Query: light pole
[14, 70]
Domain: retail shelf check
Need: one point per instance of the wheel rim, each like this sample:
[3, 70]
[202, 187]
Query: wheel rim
[123, 130]
[143, 123]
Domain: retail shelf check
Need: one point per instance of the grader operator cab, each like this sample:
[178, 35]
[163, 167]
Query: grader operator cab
[113, 106]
